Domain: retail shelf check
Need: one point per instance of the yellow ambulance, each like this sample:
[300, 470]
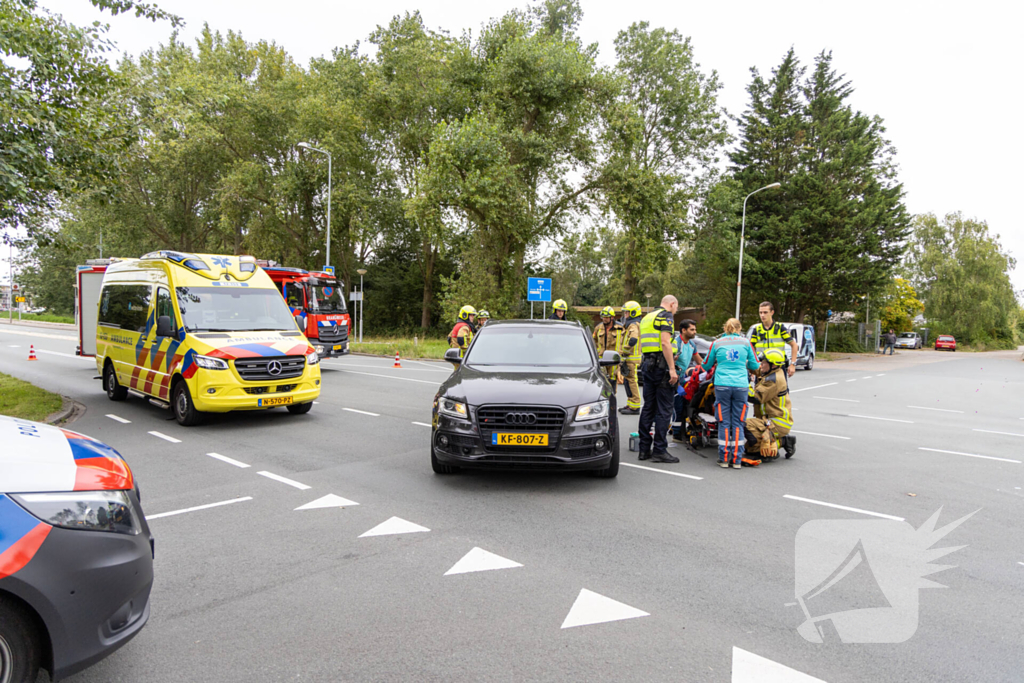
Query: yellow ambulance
[199, 333]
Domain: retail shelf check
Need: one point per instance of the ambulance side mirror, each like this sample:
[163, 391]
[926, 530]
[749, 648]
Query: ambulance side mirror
[164, 327]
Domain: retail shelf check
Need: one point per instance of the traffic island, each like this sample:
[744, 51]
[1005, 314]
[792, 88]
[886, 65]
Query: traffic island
[20, 399]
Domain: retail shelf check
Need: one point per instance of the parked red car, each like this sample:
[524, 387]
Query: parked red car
[945, 341]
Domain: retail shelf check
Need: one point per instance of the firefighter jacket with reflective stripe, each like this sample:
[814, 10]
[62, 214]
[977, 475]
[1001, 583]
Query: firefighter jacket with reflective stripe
[775, 337]
[653, 324]
[608, 338]
[460, 337]
[631, 341]
[771, 400]
[732, 355]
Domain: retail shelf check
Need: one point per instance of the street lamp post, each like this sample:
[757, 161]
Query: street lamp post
[362, 302]
[743, 233]
[306, 145]
[648, 301]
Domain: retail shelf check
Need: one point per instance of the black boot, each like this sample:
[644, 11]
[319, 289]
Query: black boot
[789, 445]
[644, 455]
[629, 411]
[664, 457]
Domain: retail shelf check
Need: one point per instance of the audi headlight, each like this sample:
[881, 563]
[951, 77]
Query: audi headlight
[211, 363]
[592, 411]
[110, 511]
[312, 358]
[453, 408]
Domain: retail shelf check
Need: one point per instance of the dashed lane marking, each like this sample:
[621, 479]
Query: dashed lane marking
[989, 431]
[66, 355]
[402, 379]
[843, 507]
[13, 346]
[362, 412]
[868, 377]
[165, 437]
[827, 436]
[852, 380]
[655, 469]
[230, 461]
[115, 418]
[423, 424]
[969, 455]
[818, 386]
[284, 480]
[883, 419]
[198, 507]
[830, 398]
[938, 410]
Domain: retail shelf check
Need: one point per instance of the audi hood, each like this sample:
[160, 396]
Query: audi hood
[526, 386]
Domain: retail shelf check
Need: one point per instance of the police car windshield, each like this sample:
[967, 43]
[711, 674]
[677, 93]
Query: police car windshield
[530, 346]
[325, 297]
[233, 309]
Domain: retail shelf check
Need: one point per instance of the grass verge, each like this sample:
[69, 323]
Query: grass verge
[41, 318]
[21, 399]
[407, 348]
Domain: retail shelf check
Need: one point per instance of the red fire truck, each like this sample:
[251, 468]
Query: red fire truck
[317, 300]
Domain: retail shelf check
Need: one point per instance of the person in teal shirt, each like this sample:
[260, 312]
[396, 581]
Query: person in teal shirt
[733, 359]
[685, 354]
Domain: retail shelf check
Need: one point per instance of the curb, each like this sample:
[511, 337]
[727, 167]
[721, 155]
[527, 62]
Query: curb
[70, 410]
[388, 355]
[39, 323]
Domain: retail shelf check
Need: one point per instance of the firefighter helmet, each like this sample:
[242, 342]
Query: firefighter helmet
[633, 308]
[607, 312]
[559, 305]
[483, 315]
[774, 357]
[465, 312]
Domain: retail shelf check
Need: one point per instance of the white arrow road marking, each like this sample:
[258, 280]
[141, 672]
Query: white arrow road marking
[198, 507]
[230, 461]
[159, 435]
[395, 525]
[750, 668]
[284, 480]
[479, 560]
[592, 608]
[328, 501]
[115, 418]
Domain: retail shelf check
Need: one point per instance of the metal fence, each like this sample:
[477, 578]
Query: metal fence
[851, 337]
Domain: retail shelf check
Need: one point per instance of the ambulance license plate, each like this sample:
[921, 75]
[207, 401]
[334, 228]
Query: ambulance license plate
[276, 401]
[517, 439]
[337, 347]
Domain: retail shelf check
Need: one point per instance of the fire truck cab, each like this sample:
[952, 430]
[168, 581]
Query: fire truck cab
[317, 300]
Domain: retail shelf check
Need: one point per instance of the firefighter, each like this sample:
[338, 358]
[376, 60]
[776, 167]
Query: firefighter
[660, 378]
[608, 337]
[769, 334]
[767, 430]
[558, 310]
[631, 357]
[481, 318]
[462, 334]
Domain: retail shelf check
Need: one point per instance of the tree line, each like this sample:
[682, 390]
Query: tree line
[464, 164]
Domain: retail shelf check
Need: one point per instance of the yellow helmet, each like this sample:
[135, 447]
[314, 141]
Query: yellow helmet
[560, 305]
[633, 308]
[483, 314]
[465, 312]
[774, 357]
[607, 312]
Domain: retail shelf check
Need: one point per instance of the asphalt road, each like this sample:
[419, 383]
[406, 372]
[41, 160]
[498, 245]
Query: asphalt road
[704, 566]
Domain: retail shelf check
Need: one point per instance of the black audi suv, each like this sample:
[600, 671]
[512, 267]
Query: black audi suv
[528, 394]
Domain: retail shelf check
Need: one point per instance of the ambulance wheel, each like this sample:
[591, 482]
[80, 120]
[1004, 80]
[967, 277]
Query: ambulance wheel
[20, 647]
[115, 392]
[184, 407]
[300, 408]
[438, 466]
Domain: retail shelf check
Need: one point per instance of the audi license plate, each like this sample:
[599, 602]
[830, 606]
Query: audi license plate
[276, 401]
[517, 439]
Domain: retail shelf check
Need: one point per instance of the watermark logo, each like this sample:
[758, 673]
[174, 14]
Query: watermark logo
[858, 580]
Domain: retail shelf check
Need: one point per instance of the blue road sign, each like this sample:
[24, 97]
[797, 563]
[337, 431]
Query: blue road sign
[538, 289]
[329, 270]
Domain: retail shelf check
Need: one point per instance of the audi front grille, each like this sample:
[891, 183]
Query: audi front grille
[270, 369]
[522, 418]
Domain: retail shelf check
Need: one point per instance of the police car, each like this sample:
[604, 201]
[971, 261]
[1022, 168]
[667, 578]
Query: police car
[76, 555]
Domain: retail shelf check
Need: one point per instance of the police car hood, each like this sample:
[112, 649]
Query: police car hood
[40, 458]
[564, 387]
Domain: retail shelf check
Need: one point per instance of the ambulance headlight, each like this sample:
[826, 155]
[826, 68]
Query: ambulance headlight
[312, 358]
[211, 363]
[110, 511]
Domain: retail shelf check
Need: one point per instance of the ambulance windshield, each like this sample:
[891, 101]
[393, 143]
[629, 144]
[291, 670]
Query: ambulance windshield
[233, 309]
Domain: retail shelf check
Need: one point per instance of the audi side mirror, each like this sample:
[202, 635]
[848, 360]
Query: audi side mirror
[164, 327]
[609, 358]
[452, 356]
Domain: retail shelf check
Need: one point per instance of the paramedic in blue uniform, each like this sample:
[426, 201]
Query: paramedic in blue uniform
[733, 359]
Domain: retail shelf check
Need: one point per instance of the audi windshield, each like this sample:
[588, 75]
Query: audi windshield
[554, 347]
[233, 309]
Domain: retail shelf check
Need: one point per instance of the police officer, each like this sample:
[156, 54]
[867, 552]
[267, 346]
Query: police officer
[462, 334]
[769, 334]
[558, 310]
[768, 428]
[660, 378]
[631, 357]
[608, 337]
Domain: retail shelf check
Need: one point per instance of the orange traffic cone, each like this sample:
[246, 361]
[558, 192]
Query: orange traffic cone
[32, 352]
[398, 361]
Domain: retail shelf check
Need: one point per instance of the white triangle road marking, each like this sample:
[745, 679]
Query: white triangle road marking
[395, 525]
[592, 608]
[480, 560]
[328, 501]
[750, 668]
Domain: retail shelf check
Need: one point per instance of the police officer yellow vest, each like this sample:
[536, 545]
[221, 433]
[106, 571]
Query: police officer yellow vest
[650, 338]
[770, 338]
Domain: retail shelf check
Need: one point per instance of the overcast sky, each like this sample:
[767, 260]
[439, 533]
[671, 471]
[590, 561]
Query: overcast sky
[945, 76]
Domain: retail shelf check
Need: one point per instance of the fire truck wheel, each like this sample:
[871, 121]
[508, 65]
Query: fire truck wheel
[184, 408]
[300, 408]
[115, 392]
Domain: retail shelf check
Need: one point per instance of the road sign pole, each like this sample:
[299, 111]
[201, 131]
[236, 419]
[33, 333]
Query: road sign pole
[531, 310]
